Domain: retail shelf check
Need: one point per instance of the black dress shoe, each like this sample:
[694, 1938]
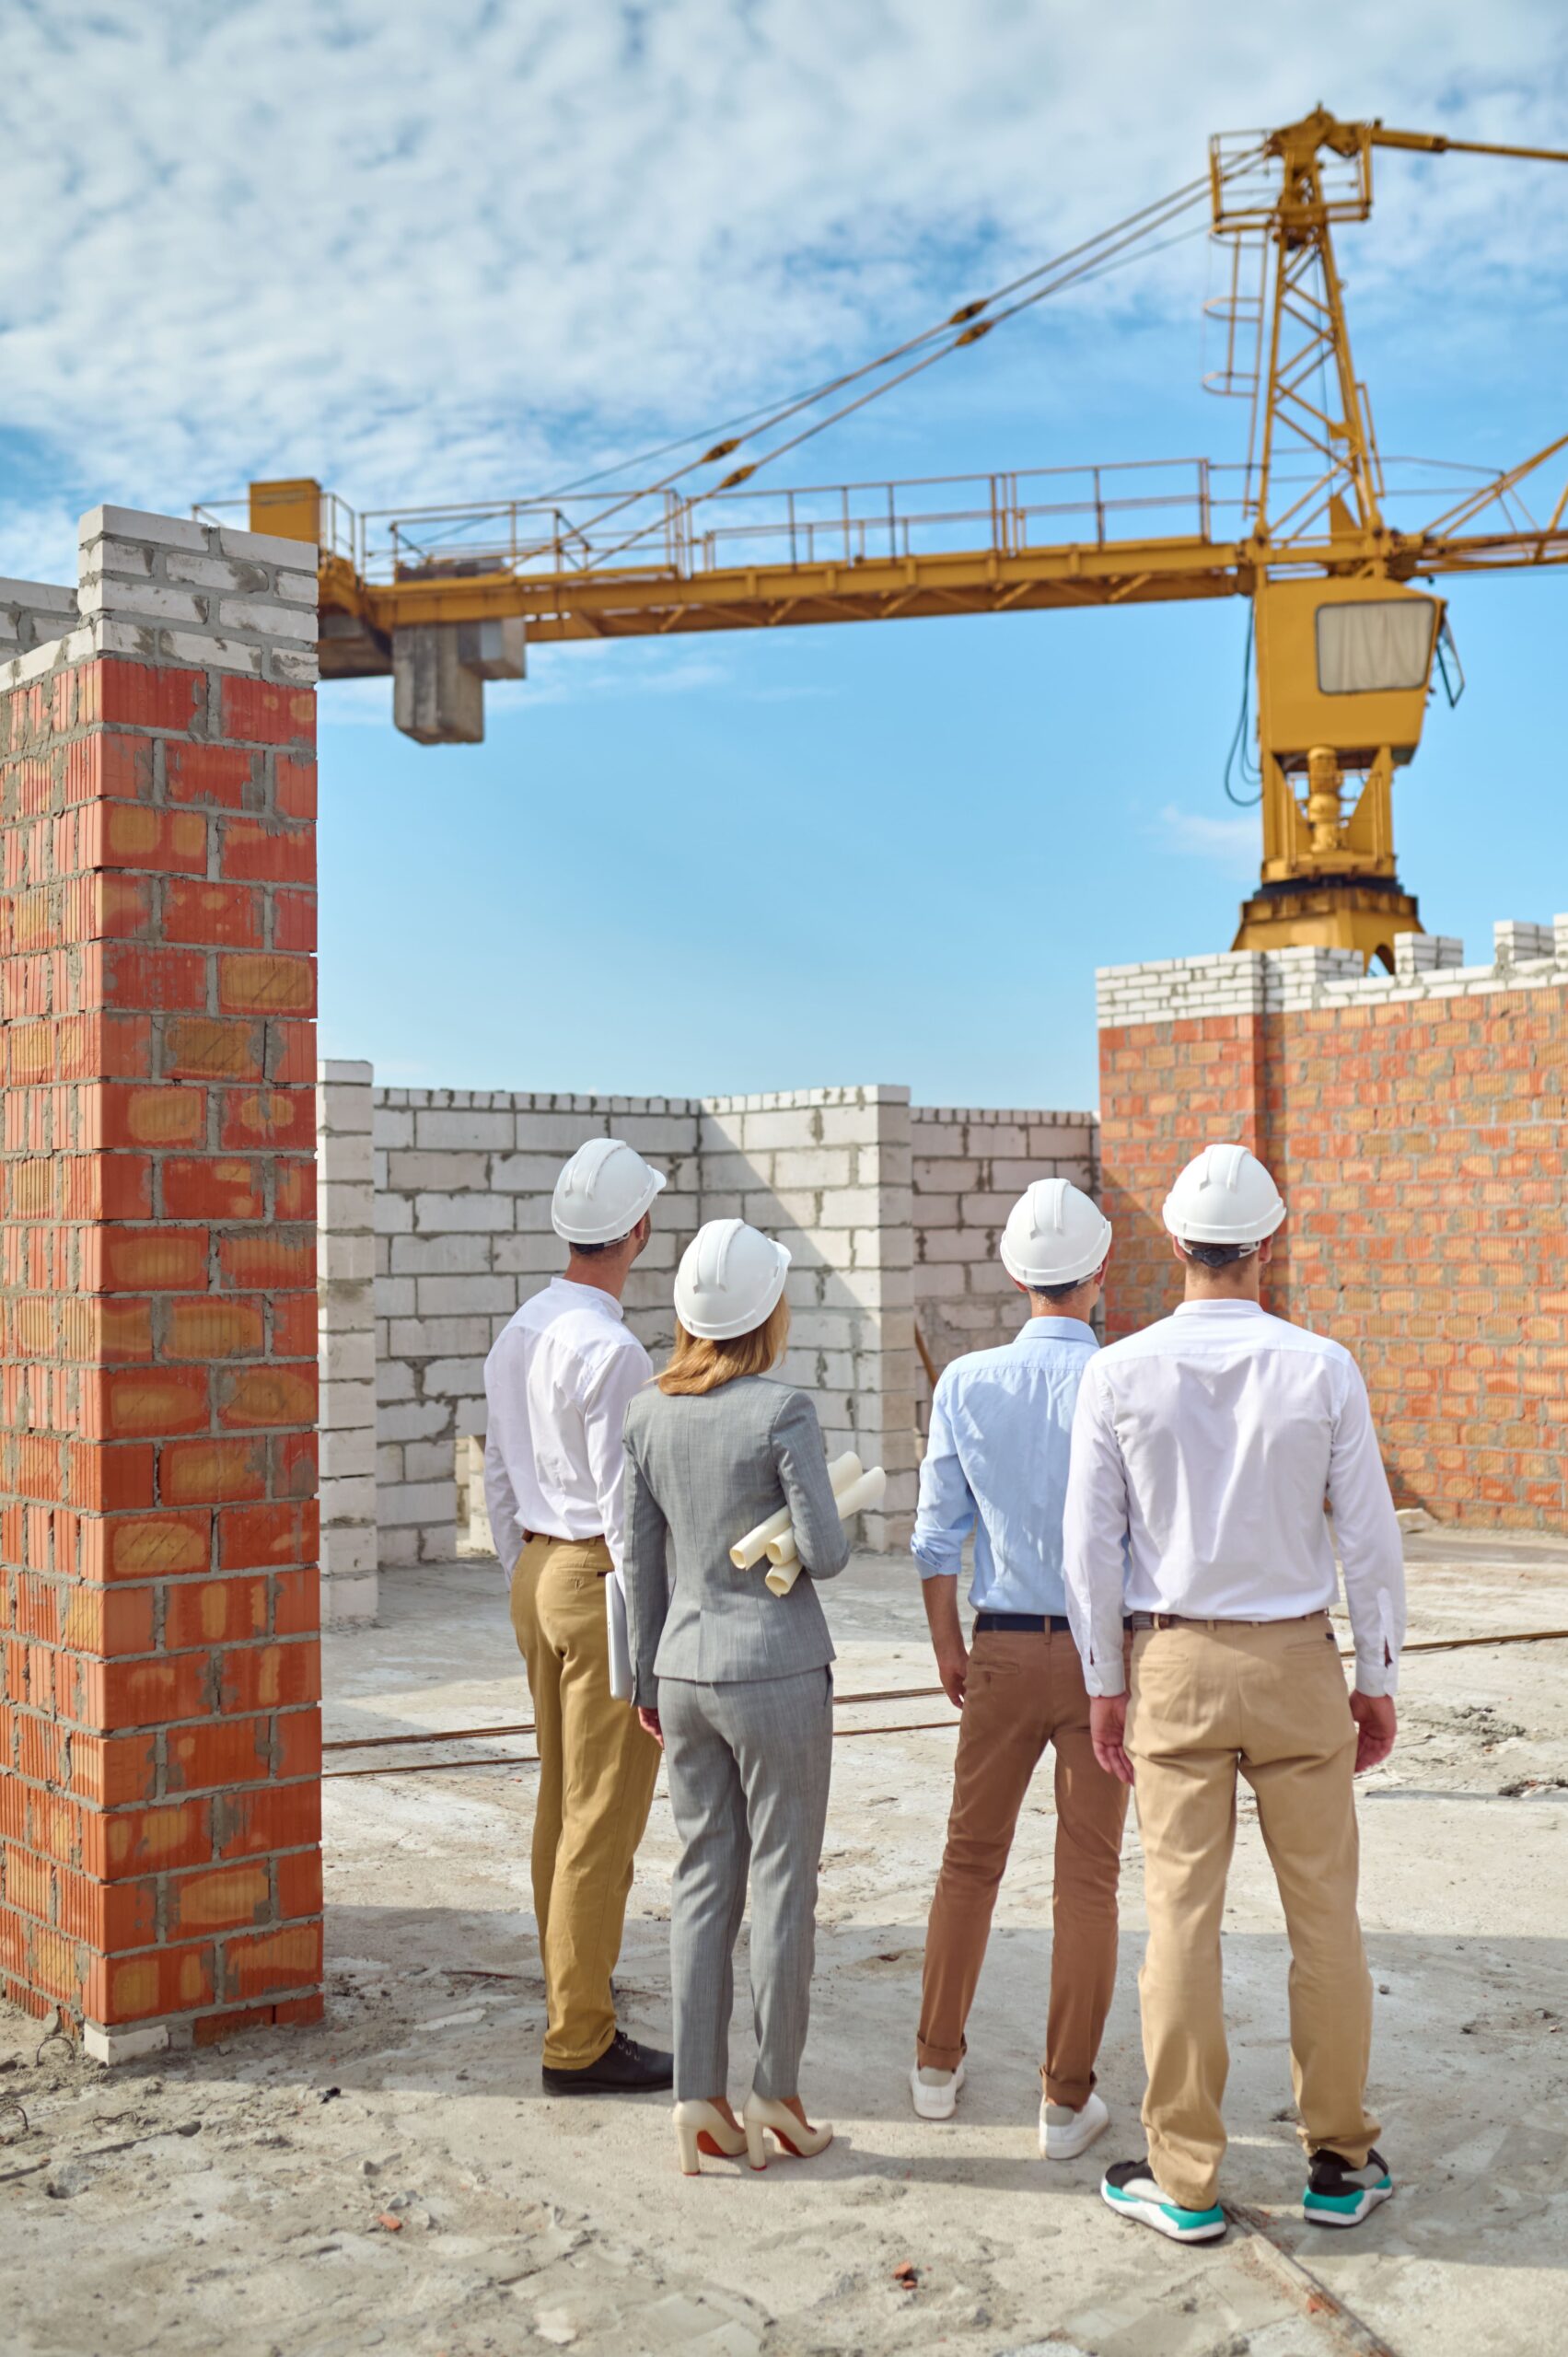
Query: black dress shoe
[624, 2068]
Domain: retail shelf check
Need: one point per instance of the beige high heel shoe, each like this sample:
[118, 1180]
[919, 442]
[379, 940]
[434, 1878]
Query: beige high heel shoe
[702, 2128]
[760, 2112]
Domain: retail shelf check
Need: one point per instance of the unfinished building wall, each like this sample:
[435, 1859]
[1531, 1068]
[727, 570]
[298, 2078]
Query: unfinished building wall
[461, 1202]
[969, 1167]
[463, 1185]
[159, 1734]
[346, 1333]
[826, 1171]
[1415, 1124]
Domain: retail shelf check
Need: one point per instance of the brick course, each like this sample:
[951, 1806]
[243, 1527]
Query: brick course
[158, 1388]
[1415, 1124]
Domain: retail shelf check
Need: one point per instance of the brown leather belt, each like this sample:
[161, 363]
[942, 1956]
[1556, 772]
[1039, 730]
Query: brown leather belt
[1187, 1620]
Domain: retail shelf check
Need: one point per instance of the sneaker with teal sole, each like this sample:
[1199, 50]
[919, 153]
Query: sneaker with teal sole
[1130, 2191]
[1337, 2195]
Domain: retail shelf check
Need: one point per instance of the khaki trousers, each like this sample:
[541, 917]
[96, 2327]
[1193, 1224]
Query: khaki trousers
[595, 1785]
[1024, 1691]
[1207, 1698]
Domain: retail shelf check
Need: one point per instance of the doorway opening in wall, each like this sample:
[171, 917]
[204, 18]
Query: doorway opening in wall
[472, 1537]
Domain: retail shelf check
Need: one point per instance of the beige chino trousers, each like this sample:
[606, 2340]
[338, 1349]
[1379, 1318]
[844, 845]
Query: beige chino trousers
[1209, 1698]
[597, 1770]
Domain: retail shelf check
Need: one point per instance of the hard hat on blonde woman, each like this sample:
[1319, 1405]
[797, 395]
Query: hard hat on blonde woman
[729, 1279]
[1224, 1196]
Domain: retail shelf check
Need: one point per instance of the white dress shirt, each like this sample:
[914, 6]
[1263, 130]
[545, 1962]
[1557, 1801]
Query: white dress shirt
[558, 1380]
[1205, 1450]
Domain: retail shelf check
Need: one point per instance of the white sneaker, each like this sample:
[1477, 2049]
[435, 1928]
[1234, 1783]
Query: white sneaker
[1064, 2135]
[935, 2092]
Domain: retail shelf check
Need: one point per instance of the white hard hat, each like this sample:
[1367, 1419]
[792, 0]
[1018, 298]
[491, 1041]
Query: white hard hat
[730, 1277]
[602, 1192]
[1054, 1235]
[1224, 1196]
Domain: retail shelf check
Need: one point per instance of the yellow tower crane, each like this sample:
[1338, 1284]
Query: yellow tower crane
[445, 598]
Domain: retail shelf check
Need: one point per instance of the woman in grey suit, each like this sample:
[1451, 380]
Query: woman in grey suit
[734, 1680]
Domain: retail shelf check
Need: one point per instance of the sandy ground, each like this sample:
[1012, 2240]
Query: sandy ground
[396, 2180]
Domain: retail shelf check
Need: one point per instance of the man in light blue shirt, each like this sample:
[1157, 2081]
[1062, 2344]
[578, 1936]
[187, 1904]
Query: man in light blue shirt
[996, 1465]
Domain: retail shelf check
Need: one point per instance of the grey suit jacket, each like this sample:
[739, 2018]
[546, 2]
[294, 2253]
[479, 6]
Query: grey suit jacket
[702, 1472]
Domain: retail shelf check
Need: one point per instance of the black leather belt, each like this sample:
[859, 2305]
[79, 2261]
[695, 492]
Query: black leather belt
[1020, 1624]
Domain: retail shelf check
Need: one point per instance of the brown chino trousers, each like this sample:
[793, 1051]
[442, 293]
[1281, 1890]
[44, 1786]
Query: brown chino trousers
[1209, 1697]
[1024, 1691]
[597, 1770]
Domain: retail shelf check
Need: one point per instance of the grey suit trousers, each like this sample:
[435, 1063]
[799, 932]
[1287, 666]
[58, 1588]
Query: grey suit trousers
[750, 1763]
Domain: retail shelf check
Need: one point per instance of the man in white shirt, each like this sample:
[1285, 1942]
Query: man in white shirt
[558, 1381]
[1203, 1452]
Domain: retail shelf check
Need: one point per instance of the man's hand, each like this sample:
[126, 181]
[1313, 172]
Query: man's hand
[1108, 1729]
[939, 1592]
[953, 1669]
[1377, 1723]
[648, 1722]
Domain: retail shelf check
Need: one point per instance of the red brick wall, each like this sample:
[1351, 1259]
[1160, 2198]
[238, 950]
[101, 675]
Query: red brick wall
[1421, 1147]
[160, 1732]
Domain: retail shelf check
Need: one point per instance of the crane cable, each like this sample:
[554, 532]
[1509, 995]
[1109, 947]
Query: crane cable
[1111, 259]
[1251, 771]
[1076, 264]
[759, 420]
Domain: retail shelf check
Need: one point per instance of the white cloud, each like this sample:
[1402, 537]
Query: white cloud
[1234, 845]
[432, 251]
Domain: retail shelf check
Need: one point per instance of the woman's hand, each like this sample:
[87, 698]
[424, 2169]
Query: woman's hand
[648, 1722]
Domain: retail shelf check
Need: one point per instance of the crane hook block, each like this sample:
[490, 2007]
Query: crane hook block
[739, 475]
[719, 450]
[972, 335]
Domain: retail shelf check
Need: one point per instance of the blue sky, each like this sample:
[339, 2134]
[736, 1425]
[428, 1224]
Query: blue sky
[459, 253]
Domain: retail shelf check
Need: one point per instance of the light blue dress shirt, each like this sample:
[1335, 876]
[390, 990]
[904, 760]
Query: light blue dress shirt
[996, 1464]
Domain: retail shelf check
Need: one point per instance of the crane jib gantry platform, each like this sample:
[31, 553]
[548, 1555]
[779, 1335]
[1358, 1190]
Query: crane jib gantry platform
[1325, 537]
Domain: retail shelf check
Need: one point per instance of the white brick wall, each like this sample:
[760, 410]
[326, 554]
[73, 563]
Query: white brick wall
[1525, 955]
[463, 1181]
[460, 1210]
[826, 1171]
[969, 1165]
[346, 1339]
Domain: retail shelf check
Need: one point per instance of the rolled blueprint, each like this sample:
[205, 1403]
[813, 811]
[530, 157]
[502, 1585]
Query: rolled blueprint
[754, 1546]
[868, 1490]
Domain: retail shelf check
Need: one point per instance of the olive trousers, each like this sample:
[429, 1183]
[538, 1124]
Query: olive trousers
[597, 1770]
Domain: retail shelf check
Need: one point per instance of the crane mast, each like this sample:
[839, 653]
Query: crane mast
[1344, 643]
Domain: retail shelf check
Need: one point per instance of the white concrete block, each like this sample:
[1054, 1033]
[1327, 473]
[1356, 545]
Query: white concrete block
[470, 1214]
[455, 1296]
[124, 2045]
[483, 1130]
[132, 524]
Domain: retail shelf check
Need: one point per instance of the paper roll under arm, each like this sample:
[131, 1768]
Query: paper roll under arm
[859, 1495]
[754, 1546]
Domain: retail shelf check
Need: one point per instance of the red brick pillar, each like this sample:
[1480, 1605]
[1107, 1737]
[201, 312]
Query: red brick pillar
[160, 1733]
[1182, 1049]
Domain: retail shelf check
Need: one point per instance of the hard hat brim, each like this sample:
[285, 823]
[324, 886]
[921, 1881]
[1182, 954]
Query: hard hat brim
[1210, 1231]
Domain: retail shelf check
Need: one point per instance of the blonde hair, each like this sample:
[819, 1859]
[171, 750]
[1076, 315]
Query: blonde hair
[697, 1365]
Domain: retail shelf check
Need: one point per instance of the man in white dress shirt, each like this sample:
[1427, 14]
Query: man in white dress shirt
[558, 1381]
[1203, 1451]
